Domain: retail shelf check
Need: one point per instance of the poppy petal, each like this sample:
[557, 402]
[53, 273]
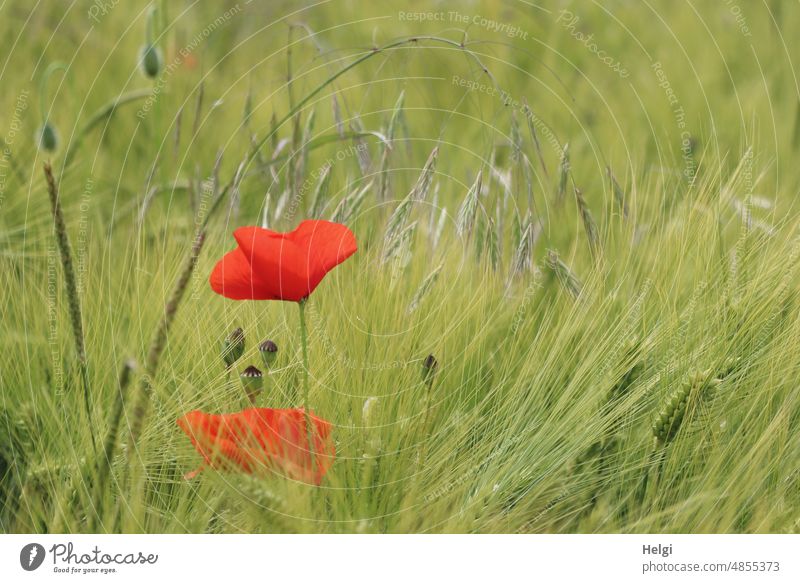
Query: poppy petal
[326, 245]
[279, 262]
[293, 264]
[262, 439]
[234, 278]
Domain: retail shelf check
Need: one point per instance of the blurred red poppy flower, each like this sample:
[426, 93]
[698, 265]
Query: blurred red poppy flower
[281, 266]
[260, 441]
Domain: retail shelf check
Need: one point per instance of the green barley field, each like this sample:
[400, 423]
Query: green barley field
[585, 212]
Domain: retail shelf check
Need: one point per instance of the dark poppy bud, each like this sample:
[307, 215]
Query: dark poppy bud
[150, 61]
[253, 382]
[269, 352]
[429, 366]
[233, 347]
[47, 137]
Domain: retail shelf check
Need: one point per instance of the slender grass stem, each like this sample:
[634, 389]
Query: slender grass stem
[104, 463]
[101, 114]
[426, 421]
[306, 405]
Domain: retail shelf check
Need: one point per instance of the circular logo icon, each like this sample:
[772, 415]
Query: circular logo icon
[31, 556]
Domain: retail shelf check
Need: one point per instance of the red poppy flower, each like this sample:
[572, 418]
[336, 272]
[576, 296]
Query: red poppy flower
[262, 441]
[281, 266]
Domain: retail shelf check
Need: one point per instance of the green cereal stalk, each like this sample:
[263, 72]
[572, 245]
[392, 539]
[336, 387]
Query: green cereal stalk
[72, 292]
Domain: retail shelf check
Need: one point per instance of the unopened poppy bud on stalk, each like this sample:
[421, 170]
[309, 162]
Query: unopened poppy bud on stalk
[253, 382]
[233, 347]
[47, 137]
[269, 352]
[150, 61]
[429, 366]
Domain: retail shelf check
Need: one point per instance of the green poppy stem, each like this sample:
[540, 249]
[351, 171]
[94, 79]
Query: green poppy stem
[306, 409]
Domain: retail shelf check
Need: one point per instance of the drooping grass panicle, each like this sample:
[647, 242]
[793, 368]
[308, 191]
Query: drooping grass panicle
[301, 161]
[436, 233]
[320, 194]
[397, 220]
[566, 278]
[523, 256]
[529, 115]
[399, 246]
[563, 174]
[468, 211]
[492, 239]
[388, 147]
[350, 205]
[423, 289]
[619, 194]
[592, 234]
[337, 115]
[198, 106]
[362, 149]
[516, 140]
